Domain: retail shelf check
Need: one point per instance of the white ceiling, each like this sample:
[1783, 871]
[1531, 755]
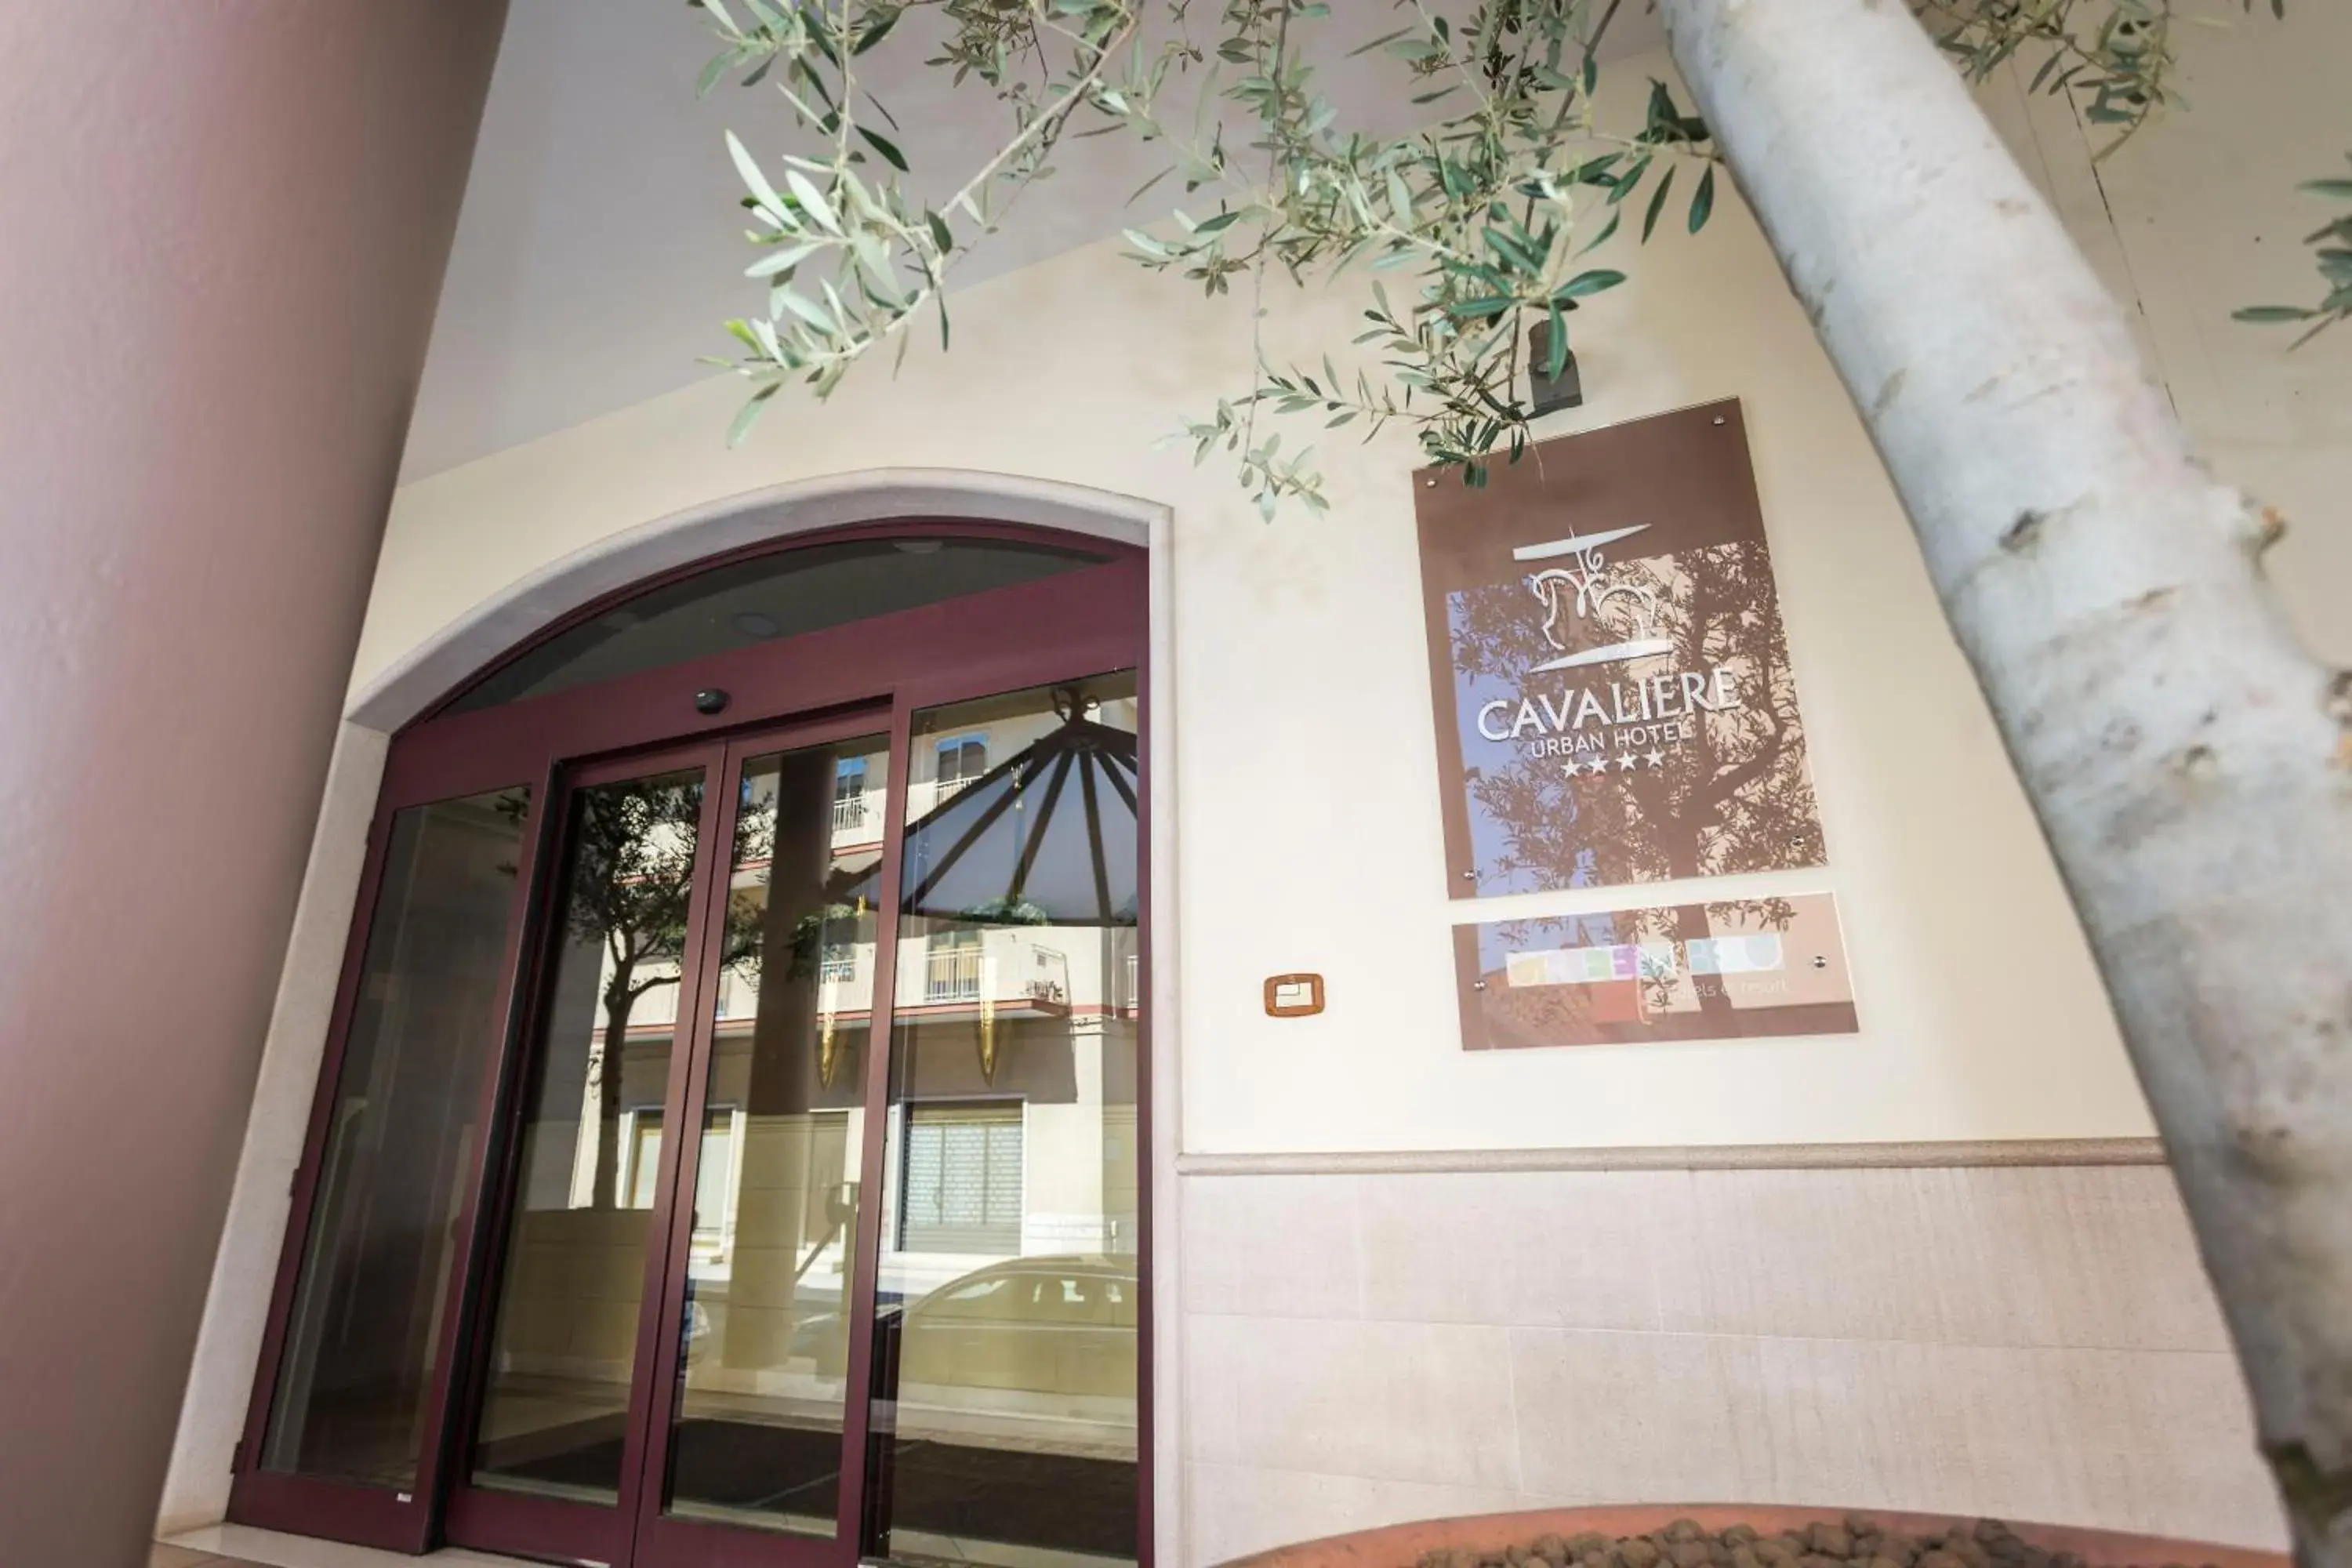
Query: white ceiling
[600, 246]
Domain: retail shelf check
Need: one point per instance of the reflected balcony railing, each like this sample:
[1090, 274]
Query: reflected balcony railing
[857, 818]
[925, 796]
[1006, 968]
[954, 973]
[843, 977]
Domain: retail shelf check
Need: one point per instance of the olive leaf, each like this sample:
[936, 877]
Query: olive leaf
[1469, 229]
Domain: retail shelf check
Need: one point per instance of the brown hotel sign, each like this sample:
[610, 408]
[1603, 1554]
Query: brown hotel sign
[1614, 706]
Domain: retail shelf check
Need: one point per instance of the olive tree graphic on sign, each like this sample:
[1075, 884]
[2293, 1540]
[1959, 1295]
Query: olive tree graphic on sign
[1722, 790]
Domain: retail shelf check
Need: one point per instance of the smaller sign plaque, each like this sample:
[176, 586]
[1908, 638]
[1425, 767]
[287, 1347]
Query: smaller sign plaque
[1737, 969]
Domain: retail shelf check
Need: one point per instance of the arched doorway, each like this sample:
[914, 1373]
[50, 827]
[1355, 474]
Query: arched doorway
[731, 1141]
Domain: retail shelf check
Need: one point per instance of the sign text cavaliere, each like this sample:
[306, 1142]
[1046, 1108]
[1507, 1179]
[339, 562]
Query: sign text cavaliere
[1613, 697]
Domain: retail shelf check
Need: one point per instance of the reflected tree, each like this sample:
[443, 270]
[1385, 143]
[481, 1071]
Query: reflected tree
[1733, 796]
[632, 890]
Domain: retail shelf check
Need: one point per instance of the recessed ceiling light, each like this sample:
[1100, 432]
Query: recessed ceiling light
[752, 624]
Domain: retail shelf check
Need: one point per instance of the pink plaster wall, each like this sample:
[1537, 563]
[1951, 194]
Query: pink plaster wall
[223, 225]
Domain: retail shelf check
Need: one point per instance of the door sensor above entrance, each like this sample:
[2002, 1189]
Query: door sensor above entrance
[1294, 996]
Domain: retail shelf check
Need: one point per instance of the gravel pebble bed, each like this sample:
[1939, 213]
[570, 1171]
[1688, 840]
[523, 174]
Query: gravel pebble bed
[1857, 1541]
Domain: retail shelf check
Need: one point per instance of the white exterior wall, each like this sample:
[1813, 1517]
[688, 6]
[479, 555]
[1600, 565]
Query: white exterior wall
[1373, 1326]
[1305, 788]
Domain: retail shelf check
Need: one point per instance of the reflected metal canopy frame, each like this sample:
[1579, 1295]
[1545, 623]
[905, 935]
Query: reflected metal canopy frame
[1060, 862]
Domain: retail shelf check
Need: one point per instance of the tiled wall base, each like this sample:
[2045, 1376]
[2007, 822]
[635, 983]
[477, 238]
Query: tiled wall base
[2034, 1342]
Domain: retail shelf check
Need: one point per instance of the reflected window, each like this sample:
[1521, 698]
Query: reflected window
[961, 761]
[960, 1189]
[852, 800]
[782, 593]
[716, 1182]
[642, 1161]
[953, 965]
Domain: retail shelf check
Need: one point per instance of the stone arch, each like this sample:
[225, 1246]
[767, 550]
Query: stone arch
[444, 661]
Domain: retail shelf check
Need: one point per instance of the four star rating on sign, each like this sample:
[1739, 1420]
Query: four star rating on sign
[1626, 763]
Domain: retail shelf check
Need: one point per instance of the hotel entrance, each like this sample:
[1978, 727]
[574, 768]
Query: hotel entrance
[731, 1145]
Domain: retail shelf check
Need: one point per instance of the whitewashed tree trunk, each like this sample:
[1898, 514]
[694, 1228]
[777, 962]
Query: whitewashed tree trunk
[2191, 762]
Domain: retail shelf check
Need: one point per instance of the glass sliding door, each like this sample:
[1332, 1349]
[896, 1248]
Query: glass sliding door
[1007, 1299]
[729, 1150]
[352, 1395]
[818, 1212]
[755, 1419]
[664, 1374]
[582, 1250]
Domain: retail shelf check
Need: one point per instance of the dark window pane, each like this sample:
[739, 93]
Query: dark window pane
[780, 595]
[364, 1333]
[556, 1413]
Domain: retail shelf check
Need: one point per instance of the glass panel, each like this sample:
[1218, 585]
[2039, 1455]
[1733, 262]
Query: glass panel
[755, 1430]
[365, 1330]
[555, 1413]
[780, 594]
[1006, 1314]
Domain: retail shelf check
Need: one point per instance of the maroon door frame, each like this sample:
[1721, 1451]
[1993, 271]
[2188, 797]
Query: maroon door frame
[828, 684]
[501, 1521]
[308, 1505]
[689, 1544]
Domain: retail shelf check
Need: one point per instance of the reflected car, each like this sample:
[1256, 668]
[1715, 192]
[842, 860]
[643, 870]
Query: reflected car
[1040, 1325]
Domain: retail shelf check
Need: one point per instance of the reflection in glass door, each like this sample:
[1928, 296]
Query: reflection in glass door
[683, 1360]
[1008, 1285]
[553, 1419]
[670, 1201]
[754, 1424]
[665, 1369]
[352, 1400]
